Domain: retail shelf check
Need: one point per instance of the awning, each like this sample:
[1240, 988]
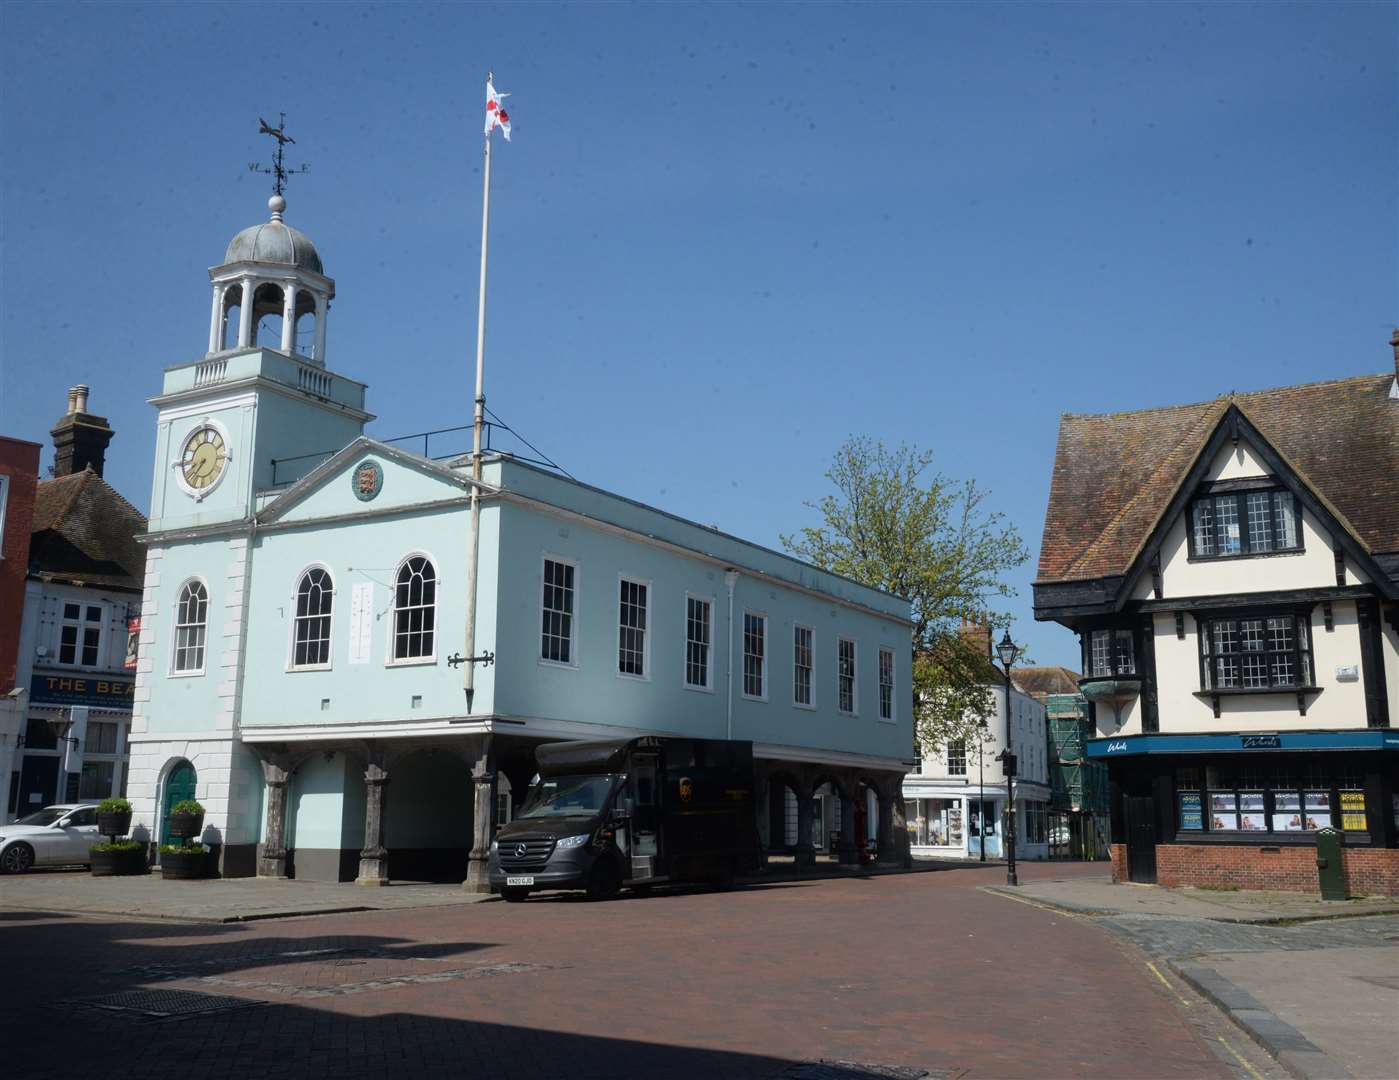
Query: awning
[1246, 742]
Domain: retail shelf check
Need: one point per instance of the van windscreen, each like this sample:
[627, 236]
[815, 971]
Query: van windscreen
[567, 796]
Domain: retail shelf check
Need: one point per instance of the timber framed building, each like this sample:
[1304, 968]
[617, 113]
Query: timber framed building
[1232, 571]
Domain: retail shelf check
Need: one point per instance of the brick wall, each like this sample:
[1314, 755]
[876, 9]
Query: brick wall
[19, 461]
[1369, 871]
[1118, 854]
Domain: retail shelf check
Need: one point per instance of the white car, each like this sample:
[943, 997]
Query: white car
[54, 836]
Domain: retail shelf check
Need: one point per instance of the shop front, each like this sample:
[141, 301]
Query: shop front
[1244, 810]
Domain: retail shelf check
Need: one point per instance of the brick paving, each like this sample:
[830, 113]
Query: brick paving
[918, 974]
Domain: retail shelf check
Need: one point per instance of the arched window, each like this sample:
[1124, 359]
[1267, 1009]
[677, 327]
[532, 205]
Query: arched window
[311, 632]
[191, 617]
[415, 610]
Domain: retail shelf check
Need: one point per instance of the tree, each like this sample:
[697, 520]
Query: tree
[894, 525]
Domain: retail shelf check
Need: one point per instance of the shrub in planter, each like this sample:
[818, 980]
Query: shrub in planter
[181, 863]
[186, 820]
[117, 858]
[113, 817]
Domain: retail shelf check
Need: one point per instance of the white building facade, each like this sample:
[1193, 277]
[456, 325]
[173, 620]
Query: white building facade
[955, 800]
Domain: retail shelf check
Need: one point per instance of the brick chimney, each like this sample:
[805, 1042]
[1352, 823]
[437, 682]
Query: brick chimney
[79, 438]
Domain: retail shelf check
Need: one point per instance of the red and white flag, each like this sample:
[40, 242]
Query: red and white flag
[496, 116]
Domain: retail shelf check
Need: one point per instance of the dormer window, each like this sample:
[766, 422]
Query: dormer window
[1110, 653]
[1251, 521]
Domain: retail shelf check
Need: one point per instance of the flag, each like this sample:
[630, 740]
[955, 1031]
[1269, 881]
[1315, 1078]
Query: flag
[496, 116]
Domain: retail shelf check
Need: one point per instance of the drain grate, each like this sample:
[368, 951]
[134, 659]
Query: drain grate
[165, 1003]
[856, 1070]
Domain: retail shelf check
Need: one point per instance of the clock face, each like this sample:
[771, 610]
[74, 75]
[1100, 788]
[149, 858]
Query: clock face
[203, 458]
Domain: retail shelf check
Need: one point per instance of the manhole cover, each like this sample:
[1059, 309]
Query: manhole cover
[163, 1003]
[853, 1070]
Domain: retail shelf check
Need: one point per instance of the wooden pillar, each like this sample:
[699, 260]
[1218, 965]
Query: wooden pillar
[272, 859]
[483, 783]
[374, 857]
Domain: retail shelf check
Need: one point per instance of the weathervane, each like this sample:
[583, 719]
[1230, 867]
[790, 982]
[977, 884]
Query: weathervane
[278, 170]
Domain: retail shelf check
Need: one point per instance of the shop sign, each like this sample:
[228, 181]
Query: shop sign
[1353, 811]
[96, 691]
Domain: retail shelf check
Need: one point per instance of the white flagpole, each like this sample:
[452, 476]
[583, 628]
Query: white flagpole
[469, 674]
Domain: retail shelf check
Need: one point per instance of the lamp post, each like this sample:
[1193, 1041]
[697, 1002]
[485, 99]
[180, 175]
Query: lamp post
[1007, 650]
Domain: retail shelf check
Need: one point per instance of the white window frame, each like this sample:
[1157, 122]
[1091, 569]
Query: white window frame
[766, 658]
[810, 705]
[174, 672]
[647, 631]
[707, 687]
[392, 635]
[292, 665]
[572, 662]
[893, 717]
[82, 624]
[854, 709]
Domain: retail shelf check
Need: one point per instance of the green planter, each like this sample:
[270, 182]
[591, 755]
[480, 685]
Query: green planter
[110, 860]
[182, 865]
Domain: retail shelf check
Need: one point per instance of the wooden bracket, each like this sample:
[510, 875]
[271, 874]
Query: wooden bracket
[1180, 625]
[1327, 616]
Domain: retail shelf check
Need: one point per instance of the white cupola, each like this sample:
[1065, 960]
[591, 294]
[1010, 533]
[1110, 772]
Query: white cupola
[271, 271]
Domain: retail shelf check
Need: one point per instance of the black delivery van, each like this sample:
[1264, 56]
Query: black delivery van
[630, 812]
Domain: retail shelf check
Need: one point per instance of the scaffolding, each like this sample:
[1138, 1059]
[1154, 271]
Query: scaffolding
[1078, 786]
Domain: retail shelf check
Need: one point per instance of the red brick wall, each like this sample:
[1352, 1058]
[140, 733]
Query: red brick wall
[1369, 871]
[20, 462]
[1118, 853]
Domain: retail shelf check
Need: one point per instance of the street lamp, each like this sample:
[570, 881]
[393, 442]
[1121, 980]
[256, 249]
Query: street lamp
[1007, 650]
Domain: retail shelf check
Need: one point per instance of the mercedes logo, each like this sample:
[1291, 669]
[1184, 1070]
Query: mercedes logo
[520, 851]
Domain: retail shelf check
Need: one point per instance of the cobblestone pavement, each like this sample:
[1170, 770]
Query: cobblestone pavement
[905, 976]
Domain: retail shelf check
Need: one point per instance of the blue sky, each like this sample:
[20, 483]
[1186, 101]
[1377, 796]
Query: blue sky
[725, 236]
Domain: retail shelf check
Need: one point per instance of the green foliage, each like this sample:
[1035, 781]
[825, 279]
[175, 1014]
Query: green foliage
[114, 806]
[893, 525]
[176, 849]
[117, 845]
[187, 806]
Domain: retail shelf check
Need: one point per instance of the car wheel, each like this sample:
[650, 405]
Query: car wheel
[513, 895]
[16, 859]
[604, 883]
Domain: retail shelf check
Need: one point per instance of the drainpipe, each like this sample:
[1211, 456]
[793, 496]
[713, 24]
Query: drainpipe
[730, 580]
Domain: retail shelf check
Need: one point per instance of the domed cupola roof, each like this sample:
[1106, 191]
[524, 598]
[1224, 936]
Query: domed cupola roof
[275, 242]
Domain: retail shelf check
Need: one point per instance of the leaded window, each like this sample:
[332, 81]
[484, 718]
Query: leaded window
[311, 633]
[556, 636]
[1256, 652]
[803, 650]
[1243, 523]
[755, 629]
[631, 632]
[191, 627]
[697, 633]
[415, 610]
[1111, 652]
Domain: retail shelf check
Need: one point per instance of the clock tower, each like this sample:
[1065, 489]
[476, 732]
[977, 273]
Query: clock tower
[260, 409]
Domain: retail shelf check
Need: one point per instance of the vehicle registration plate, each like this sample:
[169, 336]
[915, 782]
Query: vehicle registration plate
[519, 881]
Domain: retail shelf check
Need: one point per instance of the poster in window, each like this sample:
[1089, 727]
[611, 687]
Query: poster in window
[1251, 816]
[1318, 804]
[1353, 811]
[133, 642]
[1192, 814]
[1287, 811]
[1223, 807]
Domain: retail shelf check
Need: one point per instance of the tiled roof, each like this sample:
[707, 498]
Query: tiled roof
[85, 531]
[1039, 681]
[1115, 473]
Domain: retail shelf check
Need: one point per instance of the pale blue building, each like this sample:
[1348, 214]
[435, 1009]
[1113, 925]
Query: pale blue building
[305, 613]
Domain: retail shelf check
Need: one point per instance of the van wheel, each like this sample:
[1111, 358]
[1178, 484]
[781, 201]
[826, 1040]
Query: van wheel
[513, 894]
[604, 883]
